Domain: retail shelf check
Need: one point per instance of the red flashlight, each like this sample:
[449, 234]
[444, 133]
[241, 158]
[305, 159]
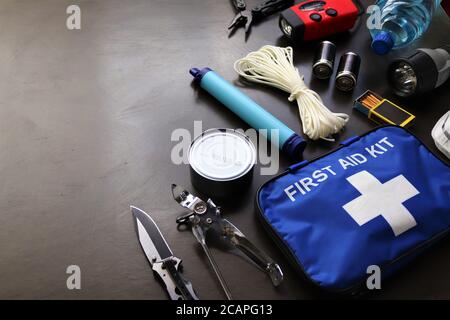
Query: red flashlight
[311, 20]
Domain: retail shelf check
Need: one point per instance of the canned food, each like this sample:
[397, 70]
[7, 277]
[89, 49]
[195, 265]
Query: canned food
[221, 162]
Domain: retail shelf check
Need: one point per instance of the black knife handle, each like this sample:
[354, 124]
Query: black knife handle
[269, 7]
[183, 287]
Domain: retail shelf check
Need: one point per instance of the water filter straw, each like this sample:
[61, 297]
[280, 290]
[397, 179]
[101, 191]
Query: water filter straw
[249, 111]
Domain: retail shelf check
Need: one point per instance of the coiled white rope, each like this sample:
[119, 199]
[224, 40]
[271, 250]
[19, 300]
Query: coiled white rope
[274, 66]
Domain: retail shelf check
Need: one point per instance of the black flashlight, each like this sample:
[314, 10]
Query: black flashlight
[423, 71]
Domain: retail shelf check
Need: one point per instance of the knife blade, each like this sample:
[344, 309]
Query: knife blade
[160, 256]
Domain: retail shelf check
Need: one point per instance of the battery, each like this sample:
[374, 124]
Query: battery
[348, 70]
[382, 111]
[323, 63]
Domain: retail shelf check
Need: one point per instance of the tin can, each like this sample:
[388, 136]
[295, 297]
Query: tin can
[221, 162]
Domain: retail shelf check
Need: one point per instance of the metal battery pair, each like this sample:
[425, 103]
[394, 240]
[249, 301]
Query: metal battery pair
[348, 70]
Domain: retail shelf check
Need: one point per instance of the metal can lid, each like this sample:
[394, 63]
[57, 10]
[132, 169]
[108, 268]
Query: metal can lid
[222, 154]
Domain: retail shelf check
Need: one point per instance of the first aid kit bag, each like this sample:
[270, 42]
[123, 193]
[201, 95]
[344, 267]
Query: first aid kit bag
[374, 203]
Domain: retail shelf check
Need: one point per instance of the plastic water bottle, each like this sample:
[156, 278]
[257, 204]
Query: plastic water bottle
[402, 22]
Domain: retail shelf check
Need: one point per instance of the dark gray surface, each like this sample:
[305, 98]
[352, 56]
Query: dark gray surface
[86, 118]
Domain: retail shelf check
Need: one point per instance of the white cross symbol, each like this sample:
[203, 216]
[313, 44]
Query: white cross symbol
[385, 199]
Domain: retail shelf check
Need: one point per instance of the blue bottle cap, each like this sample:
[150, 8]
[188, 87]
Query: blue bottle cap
[382, 43]
[294, 146]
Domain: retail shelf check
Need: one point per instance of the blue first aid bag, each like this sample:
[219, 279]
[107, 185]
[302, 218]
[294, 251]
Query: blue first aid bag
[378, 200]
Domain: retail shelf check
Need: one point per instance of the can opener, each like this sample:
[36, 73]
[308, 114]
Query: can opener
[205, 217]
